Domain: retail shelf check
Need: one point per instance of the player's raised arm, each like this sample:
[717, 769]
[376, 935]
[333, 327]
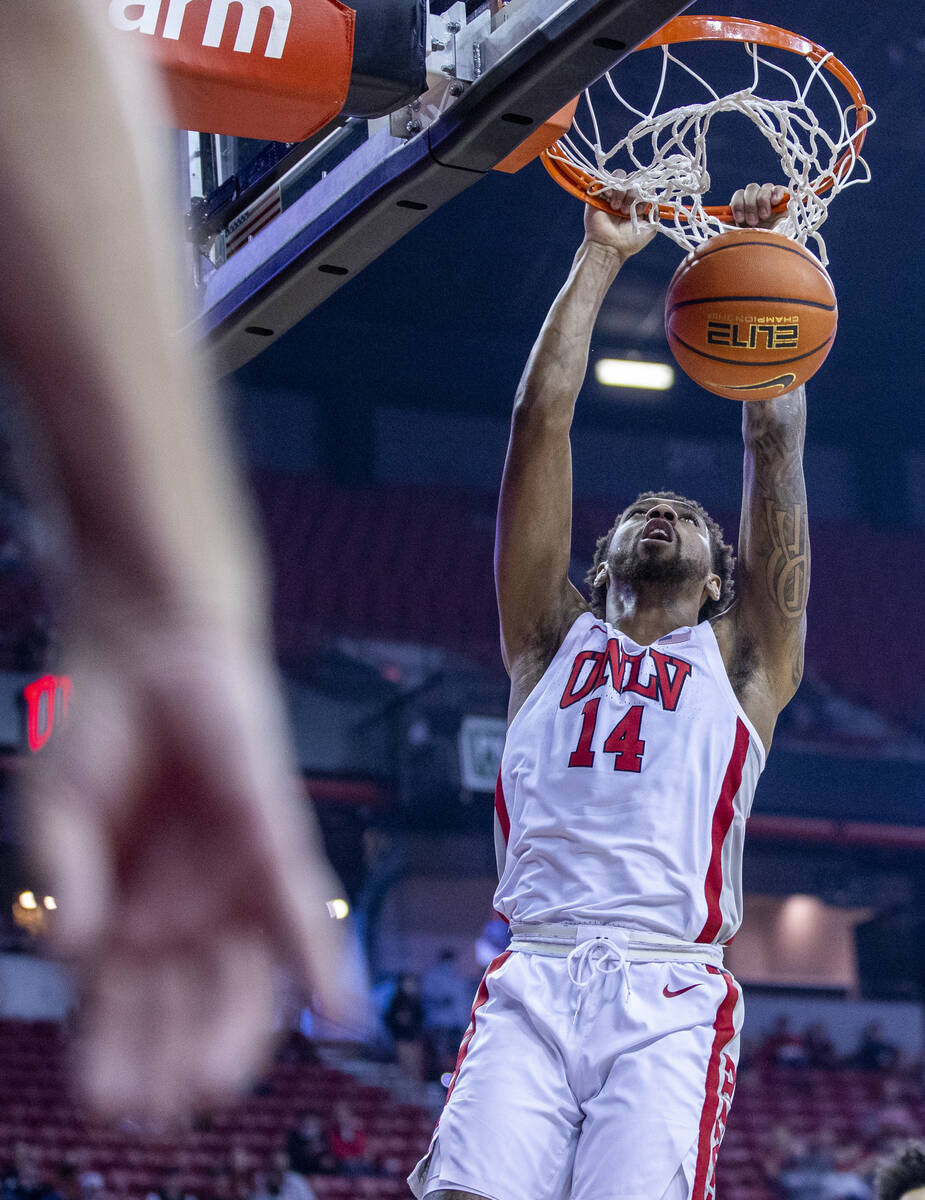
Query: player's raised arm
[532, 545]
[774, 538]
[773, 579]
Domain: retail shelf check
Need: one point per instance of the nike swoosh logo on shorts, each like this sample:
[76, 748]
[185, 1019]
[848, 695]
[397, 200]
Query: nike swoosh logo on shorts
[666, 991]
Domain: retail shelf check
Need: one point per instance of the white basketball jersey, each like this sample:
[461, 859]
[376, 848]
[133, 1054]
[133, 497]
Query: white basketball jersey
[626, 781]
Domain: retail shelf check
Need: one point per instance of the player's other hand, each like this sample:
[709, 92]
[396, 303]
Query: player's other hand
[753, 205]
[614, 229]
[169, 822]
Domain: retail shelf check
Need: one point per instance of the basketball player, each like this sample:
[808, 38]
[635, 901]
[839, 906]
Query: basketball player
[904, 1177]
[601, 1059]
[167, 818]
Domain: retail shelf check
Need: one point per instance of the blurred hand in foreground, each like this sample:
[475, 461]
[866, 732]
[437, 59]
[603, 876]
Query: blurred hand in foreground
[167, 817]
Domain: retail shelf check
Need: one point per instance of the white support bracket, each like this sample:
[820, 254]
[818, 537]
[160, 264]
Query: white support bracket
[452, 64]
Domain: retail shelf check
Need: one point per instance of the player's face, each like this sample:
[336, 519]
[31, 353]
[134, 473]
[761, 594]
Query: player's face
[660, 539]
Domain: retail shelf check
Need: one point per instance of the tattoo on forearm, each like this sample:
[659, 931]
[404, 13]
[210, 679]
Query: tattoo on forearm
[778, 524]
[787, 563]
[773, 455]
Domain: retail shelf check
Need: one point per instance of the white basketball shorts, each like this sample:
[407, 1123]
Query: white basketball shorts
[615, 1086]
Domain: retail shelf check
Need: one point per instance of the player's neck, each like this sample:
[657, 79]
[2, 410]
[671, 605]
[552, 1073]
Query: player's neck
[646, 614]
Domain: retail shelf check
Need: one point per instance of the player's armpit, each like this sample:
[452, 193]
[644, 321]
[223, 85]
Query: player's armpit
[773, 579]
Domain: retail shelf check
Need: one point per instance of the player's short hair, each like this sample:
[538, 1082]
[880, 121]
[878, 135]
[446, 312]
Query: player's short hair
[902, 1174]
[722, 553]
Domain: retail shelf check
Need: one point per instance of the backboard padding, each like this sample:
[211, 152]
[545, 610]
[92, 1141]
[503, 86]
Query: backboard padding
[537, 61]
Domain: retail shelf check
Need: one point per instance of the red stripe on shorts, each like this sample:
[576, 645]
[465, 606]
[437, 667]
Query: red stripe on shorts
[718, 1093]
[722, 819]
[501, 809]
[480, 997]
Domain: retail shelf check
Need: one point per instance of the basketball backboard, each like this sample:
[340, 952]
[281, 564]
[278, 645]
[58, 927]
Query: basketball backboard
[276, 228]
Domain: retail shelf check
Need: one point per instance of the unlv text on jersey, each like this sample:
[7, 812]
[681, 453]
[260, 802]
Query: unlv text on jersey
[651, 674]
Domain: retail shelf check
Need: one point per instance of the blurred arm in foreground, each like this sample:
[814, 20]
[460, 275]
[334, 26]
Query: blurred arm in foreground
[167, 816]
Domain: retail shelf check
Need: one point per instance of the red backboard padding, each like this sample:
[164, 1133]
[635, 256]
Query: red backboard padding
[277, 70]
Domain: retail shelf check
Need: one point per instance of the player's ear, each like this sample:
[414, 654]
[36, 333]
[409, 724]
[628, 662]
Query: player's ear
[711, 589]
[600, 579]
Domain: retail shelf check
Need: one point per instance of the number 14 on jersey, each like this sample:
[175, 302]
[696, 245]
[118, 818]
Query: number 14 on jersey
[624, 741]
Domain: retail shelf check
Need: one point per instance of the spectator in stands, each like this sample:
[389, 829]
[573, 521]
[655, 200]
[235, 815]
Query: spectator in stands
[874, 1053]
[66, 1184]
[221, 1186]
[347, 1140]
[279, 1182]
[170, 1188]
[904, 1177]
[308, 1148]
[22, 1178]
[447, 997]
[92, 1185]
[241, 1167]
[9, 1177]
[778, 1152]
[893, 1117]
[846, 1179]
[803, 1166]
[404, 1019]
[820, 1050]
[784, 1047]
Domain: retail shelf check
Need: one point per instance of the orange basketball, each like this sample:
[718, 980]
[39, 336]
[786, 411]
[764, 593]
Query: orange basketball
[750, 314]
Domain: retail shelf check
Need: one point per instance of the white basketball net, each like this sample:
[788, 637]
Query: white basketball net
[668, 152]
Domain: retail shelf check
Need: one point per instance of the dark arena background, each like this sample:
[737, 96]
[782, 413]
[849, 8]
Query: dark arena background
[372, 432]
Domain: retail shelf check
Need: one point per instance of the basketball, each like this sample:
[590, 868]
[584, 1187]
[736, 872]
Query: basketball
[750, 314]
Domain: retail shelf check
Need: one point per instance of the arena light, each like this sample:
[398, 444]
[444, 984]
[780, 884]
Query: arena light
[338, 909]
[634, 373]
[28, 900]
[50, 903]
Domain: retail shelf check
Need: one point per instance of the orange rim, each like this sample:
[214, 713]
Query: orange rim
[728, 29]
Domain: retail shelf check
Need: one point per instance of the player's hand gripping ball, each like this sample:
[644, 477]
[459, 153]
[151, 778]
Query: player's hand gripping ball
[751, 314]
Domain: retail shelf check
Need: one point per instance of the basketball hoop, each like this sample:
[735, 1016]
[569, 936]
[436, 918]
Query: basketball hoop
[666, 153]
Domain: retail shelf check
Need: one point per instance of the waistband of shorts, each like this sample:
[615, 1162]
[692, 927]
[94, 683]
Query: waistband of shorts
[559, 940]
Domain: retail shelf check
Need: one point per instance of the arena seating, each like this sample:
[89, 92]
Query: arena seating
[427, 576]
[806, 1103]
[35, 1109]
